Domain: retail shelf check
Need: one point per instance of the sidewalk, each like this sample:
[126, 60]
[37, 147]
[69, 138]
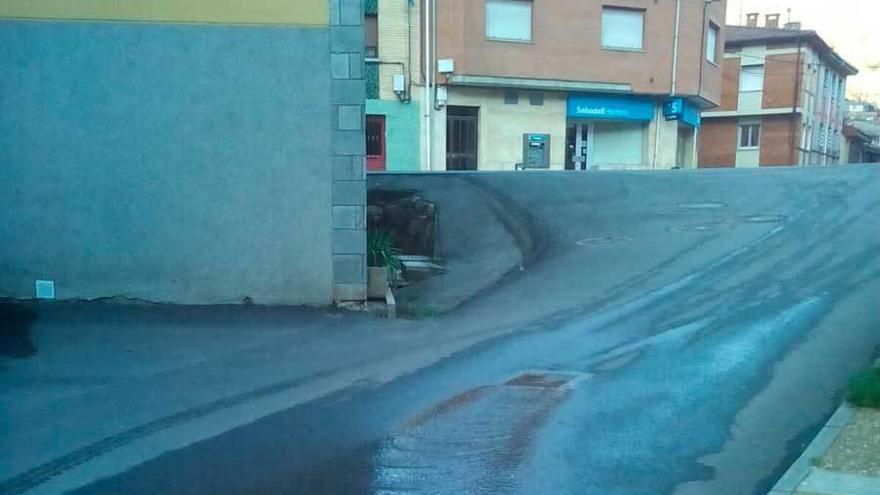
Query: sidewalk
[843, 459]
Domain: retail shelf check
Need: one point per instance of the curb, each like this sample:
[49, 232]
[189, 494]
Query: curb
[792, 479]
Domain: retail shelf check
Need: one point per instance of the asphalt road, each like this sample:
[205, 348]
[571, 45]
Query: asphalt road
[669, 333]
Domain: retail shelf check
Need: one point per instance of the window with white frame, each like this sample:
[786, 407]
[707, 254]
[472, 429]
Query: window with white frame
[509, 20]
[751, 78]
[712, 43]
[749, 136]
[623, 28]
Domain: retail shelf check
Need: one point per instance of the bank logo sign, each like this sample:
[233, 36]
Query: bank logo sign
[679, 109]
[610, 107]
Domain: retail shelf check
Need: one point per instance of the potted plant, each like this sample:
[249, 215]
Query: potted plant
[381, 261]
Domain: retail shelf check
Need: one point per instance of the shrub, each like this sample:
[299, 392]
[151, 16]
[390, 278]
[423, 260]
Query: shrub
[864, 389]
[381, 251]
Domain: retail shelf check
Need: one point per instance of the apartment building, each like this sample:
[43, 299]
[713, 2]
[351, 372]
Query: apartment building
[569, 84]
[861, 142]
[861, 110]
[393, 42]
[861, 132]
[782, 99]
[543, 84]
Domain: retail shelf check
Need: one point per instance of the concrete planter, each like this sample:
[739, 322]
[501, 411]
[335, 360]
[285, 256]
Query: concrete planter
[377, 282]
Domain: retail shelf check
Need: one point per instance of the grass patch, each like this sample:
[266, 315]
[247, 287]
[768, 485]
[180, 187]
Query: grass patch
[864, 389]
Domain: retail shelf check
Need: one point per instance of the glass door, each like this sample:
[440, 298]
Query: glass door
[577, 143]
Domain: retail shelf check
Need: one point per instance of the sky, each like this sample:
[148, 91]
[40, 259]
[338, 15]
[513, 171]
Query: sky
[851, 27]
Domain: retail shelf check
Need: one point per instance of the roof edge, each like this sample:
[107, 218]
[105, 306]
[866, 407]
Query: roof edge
[809, 35]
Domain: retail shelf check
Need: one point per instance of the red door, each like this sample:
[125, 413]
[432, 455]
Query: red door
[375, 142]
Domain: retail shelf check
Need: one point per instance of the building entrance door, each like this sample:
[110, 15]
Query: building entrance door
[577, 143]
[462, 136]
[375, 134]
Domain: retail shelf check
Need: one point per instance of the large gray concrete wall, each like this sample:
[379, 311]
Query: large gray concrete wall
[172, 162]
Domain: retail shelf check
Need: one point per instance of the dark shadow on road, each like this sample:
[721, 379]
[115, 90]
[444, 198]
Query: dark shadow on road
[15, 331]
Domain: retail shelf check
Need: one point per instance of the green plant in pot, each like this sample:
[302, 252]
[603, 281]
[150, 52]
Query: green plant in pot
[382, 260]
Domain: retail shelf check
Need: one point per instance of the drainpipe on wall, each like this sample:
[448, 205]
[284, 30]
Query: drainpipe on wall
[409, 71]
[674, 77]
[794, 104]
[657, 117]
[827, 119]
[675, 46]
[427, 101]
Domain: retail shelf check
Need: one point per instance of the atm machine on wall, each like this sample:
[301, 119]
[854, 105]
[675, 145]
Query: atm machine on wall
[536, 152]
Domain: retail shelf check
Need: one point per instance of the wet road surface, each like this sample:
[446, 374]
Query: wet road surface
[681, 333]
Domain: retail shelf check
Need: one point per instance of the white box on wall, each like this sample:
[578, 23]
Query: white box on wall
[45, 289]
[399, 83]
[446, 66]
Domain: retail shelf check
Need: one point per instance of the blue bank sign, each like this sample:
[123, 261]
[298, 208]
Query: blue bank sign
[682, 110]
[610, 107]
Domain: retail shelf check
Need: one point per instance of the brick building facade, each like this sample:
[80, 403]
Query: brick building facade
[782, 101]
[574, 84]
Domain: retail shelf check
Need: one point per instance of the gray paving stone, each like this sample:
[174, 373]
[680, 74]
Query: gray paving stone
[834, 483]
[348, 143]
[347, 39]
[339, 66]
[349, 269]
[350, 193]
[349, 241]
[348, 217]
[350, 117]
[348, 91]
[351, 12]
[348, 168]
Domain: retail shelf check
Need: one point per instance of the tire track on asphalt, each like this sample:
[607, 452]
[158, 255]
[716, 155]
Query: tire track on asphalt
[44, 472]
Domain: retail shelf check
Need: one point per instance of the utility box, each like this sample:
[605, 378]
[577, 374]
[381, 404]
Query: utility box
[536, 151]
[398, 83]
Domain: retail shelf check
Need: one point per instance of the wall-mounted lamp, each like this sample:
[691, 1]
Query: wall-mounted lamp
[440, 97]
